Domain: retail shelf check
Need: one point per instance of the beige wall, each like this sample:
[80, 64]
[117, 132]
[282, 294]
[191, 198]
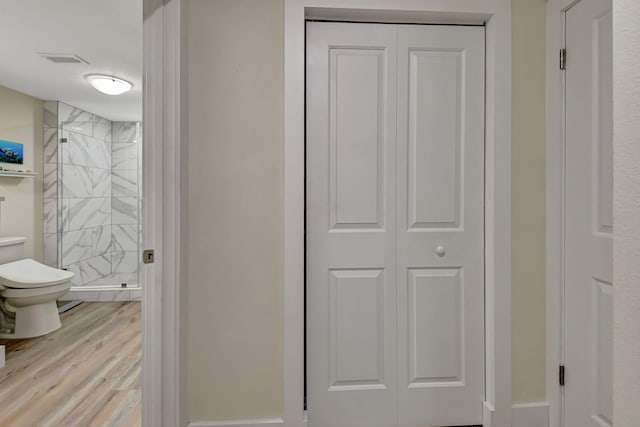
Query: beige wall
[21, 120]
[235, 218]
[528, 201]
[235, 214]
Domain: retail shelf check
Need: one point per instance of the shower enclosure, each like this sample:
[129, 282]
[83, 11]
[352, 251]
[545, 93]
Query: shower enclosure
[93, 200]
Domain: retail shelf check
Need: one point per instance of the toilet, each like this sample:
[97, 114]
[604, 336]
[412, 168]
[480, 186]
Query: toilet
[28, 292]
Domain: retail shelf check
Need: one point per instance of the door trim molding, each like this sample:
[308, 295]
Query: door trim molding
[555, 160]
[164, 213]
[496, 14]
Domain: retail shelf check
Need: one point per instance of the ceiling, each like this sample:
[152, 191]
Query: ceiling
[105, 33]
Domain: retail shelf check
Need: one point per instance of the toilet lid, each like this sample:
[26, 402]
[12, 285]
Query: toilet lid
[28, 273]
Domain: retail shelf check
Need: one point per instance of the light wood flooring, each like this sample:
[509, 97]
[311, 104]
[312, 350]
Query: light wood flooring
[86, 373]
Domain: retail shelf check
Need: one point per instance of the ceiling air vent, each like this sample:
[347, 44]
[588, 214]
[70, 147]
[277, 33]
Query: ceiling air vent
[63, 58]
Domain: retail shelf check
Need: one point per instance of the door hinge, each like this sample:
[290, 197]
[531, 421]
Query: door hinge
[563, 59]
[561, 375]
[148, 256]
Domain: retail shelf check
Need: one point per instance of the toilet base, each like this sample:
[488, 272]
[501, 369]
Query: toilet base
[35, 320]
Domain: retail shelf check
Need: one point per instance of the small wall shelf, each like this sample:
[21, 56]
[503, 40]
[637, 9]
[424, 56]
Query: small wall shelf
[14, 174]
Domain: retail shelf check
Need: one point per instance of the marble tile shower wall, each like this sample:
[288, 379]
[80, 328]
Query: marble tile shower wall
[50, 178]
[125, 201]
[88, 184]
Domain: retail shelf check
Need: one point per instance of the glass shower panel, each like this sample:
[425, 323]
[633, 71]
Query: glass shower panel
[126, 202]
[99, 199]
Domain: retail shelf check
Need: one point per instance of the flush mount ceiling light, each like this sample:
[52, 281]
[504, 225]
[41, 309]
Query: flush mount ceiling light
[109, 85]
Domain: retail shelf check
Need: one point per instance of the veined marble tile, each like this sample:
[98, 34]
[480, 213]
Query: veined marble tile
[125, 237]
[77, 246]
[94, 268]
[78, 127]
[50, 180]
[69, 113]
[124, 132]
[50, 145]
[136, 294]
[100, 153]
[97, 295]
[76, 181]
[63, 215]
[101, 179]
[83, 150]
[50, 215]
[102, 238]
[114, 295]
[59, 241]
[76, 280]
[63, 147]
[51, 114]
[131, 279]
[76, 150]
[124, 183]
[110, 281]
[117, 279]
[86, 213]
[125, 210]
[101, 128]
[124, 262]
[51, 249]
[74, 119]
[124, 156]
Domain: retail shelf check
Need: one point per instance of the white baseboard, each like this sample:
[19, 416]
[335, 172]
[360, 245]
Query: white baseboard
[274, 422]
[534, 414]
[487, 414]
[524, 415]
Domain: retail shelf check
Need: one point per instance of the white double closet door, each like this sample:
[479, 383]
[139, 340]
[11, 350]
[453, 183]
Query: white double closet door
[395, 225]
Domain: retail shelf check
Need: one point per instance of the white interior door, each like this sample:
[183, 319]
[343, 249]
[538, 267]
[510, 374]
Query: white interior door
[395, 192]
[588, 215]
[440, 223]
[351, 235]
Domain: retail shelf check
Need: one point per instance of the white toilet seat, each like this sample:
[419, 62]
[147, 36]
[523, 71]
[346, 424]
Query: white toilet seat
[27, 293]
[29, 274]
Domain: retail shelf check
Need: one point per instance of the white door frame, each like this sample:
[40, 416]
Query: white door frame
[555, 158]
[164, 213]
[496, 15]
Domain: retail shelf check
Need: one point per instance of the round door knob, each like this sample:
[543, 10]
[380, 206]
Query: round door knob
[441, 251]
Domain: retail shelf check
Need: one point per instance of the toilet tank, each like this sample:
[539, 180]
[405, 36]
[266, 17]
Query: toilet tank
[11, 249]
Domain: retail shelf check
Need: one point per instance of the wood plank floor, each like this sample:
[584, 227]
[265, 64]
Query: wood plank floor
[86, 373]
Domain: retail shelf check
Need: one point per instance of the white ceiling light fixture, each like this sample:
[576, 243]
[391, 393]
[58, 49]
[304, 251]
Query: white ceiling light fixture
[109, 85]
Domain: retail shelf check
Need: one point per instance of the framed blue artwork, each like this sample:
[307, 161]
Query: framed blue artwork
[11, 152]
